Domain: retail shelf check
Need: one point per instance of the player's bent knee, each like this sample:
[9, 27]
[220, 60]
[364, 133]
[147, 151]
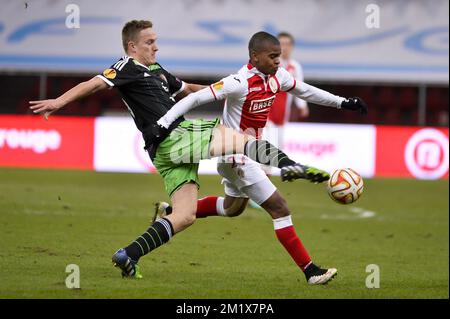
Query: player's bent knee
[276, 206]
[181, 219]
[234, 206]
[233, 212]
[282, 207]
[189, 219]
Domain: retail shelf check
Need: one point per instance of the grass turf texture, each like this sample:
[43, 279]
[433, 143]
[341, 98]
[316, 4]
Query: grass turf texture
[52, 218]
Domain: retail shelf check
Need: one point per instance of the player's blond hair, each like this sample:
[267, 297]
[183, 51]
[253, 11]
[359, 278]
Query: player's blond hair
[131, 29]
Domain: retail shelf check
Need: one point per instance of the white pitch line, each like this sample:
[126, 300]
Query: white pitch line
[362, 213]
[357, 213]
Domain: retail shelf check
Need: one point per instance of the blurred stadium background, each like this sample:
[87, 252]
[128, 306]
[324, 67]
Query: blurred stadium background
[400, 68]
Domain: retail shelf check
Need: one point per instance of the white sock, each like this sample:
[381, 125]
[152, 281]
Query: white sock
[282, 222]
[220, 209]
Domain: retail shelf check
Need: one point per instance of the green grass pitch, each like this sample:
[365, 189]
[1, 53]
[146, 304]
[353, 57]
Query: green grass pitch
[52, 218]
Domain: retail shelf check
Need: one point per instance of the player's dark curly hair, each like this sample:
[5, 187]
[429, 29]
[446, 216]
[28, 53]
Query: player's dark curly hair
[131, 29]
[259, 40]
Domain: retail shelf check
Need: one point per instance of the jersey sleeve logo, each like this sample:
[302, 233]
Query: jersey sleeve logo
[217, 86]
[110, 74]
[273, 85]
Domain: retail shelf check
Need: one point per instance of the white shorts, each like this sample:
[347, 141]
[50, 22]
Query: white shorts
[245, 178]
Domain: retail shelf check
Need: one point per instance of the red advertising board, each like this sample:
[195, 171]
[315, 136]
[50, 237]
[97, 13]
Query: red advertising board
[60, 142]
[412, 152]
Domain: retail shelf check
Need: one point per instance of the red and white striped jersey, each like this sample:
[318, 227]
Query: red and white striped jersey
[249, 96]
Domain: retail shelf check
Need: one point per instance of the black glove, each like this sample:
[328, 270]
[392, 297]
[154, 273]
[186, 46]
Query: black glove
[355, 104]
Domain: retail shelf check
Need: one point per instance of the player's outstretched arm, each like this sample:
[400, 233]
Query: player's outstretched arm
[318, 96]
[47, 107]
[185, 105]
[189, 88]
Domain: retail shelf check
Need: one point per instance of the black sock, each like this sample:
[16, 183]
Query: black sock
[265, 153]
[158, 234]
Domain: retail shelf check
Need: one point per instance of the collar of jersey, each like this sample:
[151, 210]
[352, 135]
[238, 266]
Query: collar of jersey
[254, 70]
[147, 67]
[139, 63]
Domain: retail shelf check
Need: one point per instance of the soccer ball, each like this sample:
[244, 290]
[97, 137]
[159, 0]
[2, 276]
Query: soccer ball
[345, 186]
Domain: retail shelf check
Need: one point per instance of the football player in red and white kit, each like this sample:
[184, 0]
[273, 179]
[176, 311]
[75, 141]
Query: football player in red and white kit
[249, 95]
[280, 111]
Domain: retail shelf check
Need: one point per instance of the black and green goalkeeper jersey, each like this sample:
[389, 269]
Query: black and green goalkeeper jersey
[148, 92]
